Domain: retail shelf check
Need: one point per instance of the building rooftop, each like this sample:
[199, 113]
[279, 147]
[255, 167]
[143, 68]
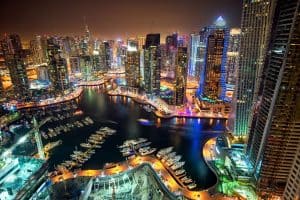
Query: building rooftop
[138, 183]
[15, 174]
[220, 22]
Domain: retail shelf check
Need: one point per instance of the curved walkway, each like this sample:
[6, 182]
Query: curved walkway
[167, 178]
[73, 95]
[209, 156]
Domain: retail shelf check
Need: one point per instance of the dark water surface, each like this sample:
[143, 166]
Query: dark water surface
[186, 135]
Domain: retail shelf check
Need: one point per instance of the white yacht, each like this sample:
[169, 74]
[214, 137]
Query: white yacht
[164, 151]
[177, 165]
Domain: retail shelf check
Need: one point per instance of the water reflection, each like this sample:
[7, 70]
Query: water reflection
[186, 135]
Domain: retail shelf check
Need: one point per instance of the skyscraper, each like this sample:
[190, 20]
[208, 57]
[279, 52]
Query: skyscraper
[180, 76]
[152, 64]
[194, 58]
[182, 40]
[75, 64]
[14, 60]
[86, 67]
[132, 65]
[275, 133]
[3, 68]
[107, 54]
[212, 78]
[171, 41]
[232, 56]
[141, 42]
[152, 39]
[255, 29]
[38, 48]
[292, 188]
[57, 67]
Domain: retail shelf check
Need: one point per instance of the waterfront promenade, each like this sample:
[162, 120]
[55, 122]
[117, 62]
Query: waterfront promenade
[46, 102]
[163, 110]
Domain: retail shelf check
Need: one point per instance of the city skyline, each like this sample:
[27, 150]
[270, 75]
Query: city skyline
[128, 19]
[207, 111]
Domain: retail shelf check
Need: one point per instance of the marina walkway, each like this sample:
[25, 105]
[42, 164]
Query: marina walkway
[164, 110]
[22, 105]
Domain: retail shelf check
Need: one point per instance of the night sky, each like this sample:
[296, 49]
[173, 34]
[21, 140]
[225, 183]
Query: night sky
[112, 19]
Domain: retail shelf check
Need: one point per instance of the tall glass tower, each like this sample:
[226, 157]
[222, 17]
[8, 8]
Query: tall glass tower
[256, 26]
[275, 133]
[132, 64]
[14, 60]
[194, 61]
[180, 76]
[212, 84]
[57, 67]
[152, 64]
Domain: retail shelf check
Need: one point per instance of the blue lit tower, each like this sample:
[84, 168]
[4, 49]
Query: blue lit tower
[212, 84]
[194, 61]
[152, 64]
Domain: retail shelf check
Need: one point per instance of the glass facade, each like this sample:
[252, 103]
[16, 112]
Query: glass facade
[255, 30]
[213, 75]
[194, 59]
[180, 76]
[275, 133]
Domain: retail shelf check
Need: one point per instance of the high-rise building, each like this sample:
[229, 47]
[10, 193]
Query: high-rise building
[255, 29]
[75, 64]
[292, 188]
[171, 41]
[38, 48]
[14, 60]
[180, 76]
[182, 40]
[212, 77]
[12, 45]
[42, 73]
[132, 65]
[1, 87]
[152, 64]
[275, 133]
[194, 58]
[57, 67]
[17, 72]
[107, 55]
[232, 56]
[86, 67]
[141, 42]
[87, 34]
[121, 53]
[3, 68]
[152, 39]
[142, 68]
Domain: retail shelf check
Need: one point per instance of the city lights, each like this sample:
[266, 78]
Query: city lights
[150, 100]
